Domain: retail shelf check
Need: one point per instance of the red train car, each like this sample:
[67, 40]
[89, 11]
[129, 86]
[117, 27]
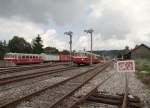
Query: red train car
[85, 58]
[64, 58]
[20, 58]
[78, 58]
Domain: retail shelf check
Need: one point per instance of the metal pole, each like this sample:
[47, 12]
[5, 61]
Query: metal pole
[69, 33]
[70, 49]
[91, 47]
[90, 31]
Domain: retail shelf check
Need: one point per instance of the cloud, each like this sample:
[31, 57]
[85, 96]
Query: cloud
[116, 23]
[29, 31]
[100, 44]
[82, 43]
[9, 28]
[112, 24]
[60, 11]
[109, 19]
[124, 21]
[51, 38]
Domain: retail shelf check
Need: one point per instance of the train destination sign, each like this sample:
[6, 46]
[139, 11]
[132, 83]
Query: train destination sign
[126, 66]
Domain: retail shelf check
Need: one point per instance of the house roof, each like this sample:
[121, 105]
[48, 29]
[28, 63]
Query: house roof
[139, 47]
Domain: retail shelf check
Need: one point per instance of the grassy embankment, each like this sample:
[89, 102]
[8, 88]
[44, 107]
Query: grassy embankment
[143, 66]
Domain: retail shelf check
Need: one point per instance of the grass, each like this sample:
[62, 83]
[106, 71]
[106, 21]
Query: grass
[143, 65]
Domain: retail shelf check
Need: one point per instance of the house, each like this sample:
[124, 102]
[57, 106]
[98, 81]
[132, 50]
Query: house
[140, 52]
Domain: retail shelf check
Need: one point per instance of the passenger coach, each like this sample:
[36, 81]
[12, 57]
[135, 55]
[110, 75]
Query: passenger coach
[21, 58]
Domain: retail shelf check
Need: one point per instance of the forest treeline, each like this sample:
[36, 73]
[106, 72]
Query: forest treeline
[20, 45]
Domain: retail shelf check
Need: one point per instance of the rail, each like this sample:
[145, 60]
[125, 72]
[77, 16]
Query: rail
[17, 78]
[85, 77]
[125, 98]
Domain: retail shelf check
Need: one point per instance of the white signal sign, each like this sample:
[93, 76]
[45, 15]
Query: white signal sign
[126, 66]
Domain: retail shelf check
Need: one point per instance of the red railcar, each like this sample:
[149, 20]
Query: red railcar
[20, 58]
[85, 58]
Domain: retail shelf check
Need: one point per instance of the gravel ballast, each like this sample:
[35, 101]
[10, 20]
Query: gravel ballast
[23, 90]
[115, 85]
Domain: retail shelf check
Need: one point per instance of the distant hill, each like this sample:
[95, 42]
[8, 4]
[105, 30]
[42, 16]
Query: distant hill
[111, 53]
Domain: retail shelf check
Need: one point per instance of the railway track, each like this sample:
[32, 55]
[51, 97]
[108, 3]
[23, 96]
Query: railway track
[54, 94]
[19, 66]
[123, 100]
[24, 68]
[11, 79]
[126, 100]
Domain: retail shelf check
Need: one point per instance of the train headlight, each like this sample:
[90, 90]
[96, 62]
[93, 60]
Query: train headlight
[82, 59]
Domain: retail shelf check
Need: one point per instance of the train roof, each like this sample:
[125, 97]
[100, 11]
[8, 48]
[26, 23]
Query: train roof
[22, 54]
[85, 52]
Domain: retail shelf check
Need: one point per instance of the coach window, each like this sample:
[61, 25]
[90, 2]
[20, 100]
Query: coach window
[8, 56]
[19, 56]
[16, 56]
[23, 56]
[30, 56]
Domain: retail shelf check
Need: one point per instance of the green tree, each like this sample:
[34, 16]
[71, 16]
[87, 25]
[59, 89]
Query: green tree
[65, 52]
[3, 49]
[126, 50]
[37, 45]
[19, 45]
[51, 50]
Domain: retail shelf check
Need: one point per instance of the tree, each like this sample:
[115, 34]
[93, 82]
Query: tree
[125, 53]
[37, 45]
[65, 52]
[3, 49]
[51, 50]
[136, 45]
[19, 45]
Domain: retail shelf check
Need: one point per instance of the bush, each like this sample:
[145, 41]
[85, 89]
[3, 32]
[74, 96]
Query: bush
[143, 65]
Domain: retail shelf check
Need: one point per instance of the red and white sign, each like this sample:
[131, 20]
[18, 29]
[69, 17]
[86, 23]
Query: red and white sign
[126, 66]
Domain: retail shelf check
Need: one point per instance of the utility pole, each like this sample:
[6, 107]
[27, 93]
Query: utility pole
[69, 33]
[90, 31]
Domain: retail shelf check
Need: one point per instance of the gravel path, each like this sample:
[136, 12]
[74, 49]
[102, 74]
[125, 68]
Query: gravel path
[116, 85]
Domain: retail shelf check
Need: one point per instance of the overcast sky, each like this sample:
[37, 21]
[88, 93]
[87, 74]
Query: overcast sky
[116, 23]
